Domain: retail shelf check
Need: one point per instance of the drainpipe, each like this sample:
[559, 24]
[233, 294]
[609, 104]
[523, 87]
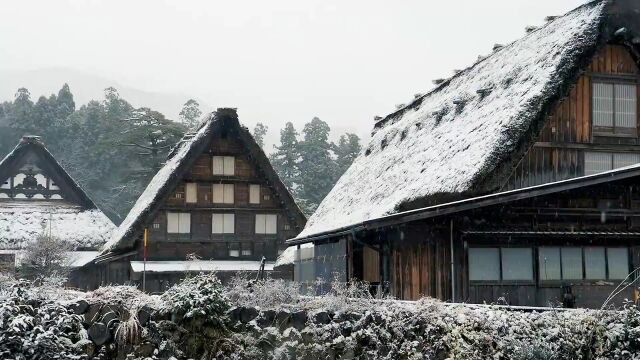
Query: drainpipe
[453, 277]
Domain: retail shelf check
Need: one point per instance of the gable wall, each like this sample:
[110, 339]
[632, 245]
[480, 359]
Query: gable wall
[558, 153]
[201, 241]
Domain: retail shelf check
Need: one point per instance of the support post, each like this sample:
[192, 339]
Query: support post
[453, 277]
[144, 262]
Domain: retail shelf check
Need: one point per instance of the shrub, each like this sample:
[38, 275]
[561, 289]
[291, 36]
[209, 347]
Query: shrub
[201, 297]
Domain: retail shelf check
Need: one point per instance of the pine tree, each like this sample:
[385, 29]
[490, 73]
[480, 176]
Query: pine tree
[317, 167]
[286, 157]
[20, 117]
[346, 150]
[259, 133]
[65, 104]
[190, 114]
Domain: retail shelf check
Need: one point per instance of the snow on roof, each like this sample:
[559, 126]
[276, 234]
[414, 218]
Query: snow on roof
[288, 256]
[450, 138]
[199, 265]
[76, 258]
[153, 191]
[22, 222]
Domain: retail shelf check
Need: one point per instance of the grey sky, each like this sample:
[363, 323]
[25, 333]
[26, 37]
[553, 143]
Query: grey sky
[280, 60]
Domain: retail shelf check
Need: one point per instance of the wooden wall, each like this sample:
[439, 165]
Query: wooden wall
[558, 152]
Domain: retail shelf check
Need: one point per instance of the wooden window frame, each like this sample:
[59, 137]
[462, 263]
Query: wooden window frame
[613, 80]
[501, 281]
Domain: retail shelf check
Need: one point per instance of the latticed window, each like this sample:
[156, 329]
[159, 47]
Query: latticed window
[614, 108]
[599, 161]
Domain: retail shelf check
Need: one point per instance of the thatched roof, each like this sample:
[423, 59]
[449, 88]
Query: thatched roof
[181, 159]
[75, 218]
[472, 128]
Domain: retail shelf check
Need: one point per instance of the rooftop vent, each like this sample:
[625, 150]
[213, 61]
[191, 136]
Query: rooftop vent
[497, 47]
[417, 95]
[530, 29]
[456, 71]
[438, 81]
[550, 18]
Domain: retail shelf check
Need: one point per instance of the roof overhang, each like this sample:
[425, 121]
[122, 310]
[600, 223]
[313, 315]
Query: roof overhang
[474, 203]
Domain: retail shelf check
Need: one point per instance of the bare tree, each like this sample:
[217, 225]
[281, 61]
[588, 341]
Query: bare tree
[45, 257]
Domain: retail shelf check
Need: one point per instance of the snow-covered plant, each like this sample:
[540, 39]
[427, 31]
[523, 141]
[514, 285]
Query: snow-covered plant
[266, 294]
[201, 297]
[129, 330]
[126, 295]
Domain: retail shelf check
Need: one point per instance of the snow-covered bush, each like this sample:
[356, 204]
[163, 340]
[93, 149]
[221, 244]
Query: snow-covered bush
[200, 297]
[266, 294]
[128, 296]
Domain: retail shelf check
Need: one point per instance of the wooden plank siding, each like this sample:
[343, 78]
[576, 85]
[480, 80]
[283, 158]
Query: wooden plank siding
[558, 152]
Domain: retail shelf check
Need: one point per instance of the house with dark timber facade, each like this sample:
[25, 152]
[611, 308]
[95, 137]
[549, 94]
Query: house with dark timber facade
[38, 198]
[514, 181]
[216, 205]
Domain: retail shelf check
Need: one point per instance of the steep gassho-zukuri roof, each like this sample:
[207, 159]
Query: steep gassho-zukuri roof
[451, 138]
[180, 160]
[78, 221]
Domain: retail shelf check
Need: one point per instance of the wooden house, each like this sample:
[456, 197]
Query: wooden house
[216, 205]
[511, 182]
[38, 197]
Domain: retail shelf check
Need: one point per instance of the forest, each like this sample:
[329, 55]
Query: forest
[113, 149]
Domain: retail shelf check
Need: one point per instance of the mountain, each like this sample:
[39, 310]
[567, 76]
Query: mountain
[87, 87]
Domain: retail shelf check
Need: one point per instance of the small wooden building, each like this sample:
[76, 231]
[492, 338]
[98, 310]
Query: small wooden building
[216, 205]
[509, 182]
[38, 197]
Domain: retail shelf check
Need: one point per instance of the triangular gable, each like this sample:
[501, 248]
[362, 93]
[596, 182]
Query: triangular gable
[31, 154]
[181, 159]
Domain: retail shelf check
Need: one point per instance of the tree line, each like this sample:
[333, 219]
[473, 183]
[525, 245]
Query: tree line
[113, 149]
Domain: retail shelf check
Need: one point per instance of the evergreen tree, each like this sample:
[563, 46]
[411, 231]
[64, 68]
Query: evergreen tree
[346, 150]
[259, 132]
[20, 117]
[190, 114]
[286, 157]
[317, 167]
[65, 104]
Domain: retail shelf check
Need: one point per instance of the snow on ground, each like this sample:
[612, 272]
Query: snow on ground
[444, 140]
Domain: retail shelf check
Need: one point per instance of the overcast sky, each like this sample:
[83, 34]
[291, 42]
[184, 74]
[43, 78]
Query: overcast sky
[276, 61]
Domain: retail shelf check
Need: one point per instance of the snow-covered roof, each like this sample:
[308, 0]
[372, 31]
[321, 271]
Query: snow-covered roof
[452, 138]
[22, 222]
[199, 265]
[76, 258]
[180, 160]
[288, 256]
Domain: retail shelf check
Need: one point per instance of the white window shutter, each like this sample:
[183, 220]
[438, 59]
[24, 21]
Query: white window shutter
[217, 223]
[229, 223]
[254, 194]
[271, 224]
[228, 193]
[218, 194]
[260, 224]
[218, 165]
[229, 165]
[602, 104]
[185, 223]
[192, 193]
[173, 219]
[626, 105]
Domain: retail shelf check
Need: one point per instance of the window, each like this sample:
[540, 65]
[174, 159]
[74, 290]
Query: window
[517, 264]
[178, 195]
[597, 162]
[156, 226]
[557, 263]
[246, 250]
[191, 193]
[266, 224]
[224, 165]
[484, 264]
[287, 227]
[234, 250]
[618, 263]
[254, 194]
[223, 193]
[223, 223]
[178, 223]
[614, 108]
[266, 197]
[594, 263]
[494, 264]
